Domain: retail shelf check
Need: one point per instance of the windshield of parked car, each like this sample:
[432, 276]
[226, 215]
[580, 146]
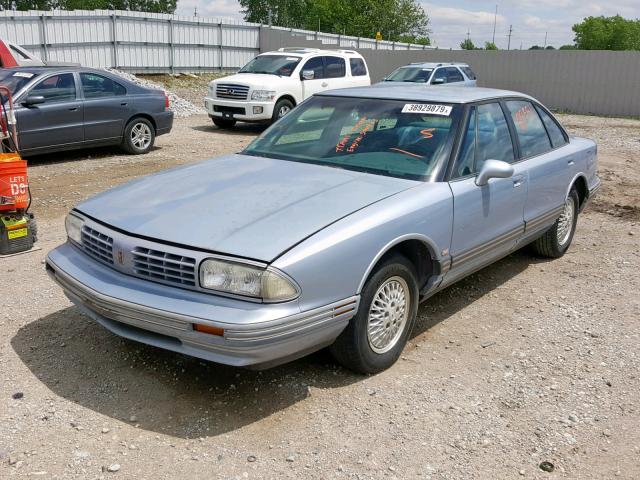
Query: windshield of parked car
[14, 80]
[410, 74]
[282, 65]
[395, 138]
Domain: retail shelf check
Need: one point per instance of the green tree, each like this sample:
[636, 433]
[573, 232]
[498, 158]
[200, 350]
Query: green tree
[550, 47]
[607, 33]
[490, 46]
[155, 6]
[397, 20]
[567, 47]
[467, 44]
[536, 47]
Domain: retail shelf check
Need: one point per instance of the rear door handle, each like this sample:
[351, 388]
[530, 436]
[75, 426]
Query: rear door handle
[571, 163]
[73, 109]
[124, 104]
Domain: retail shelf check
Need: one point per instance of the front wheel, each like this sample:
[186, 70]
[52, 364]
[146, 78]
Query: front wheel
[139, 136]
[555, 241]
[282, 108]
[377, 334]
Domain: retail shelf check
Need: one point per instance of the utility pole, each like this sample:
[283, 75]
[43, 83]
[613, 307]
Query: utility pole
[510, 32]
[495, 18]
[545, 39]
[270, 18]
[195, 11]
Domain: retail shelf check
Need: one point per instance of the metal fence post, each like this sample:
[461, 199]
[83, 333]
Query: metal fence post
[220, 43]
[114, 40]
[43, 37]
[171, 48]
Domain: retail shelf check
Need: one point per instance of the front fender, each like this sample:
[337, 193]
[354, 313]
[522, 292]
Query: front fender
[335, 262]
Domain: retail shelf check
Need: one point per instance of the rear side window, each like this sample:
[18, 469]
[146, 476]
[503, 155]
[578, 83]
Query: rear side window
[97, 86]
[335, 67]
[469, 73]
[532, 135]
[56, 88]
[317, 65]
[454, 75]
[555, 132]
[358, 68]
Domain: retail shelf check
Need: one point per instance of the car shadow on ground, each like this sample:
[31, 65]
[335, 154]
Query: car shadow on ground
[185, 397]
[239, 129]
[82, 154]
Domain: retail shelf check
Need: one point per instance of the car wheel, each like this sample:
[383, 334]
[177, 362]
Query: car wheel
[223, 122]
[376, 335]
[139, 136]
[282, 107]
[555, 241]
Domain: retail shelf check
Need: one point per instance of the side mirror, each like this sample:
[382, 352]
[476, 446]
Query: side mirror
[308, 74]
[493, 169]
[437, 81]
[32, 100]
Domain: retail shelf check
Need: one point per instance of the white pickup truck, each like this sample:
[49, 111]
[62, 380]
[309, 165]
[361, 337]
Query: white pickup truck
[273, 83]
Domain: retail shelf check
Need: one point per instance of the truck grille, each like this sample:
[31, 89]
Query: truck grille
[98, 245]
[166, 267]
[234, 92]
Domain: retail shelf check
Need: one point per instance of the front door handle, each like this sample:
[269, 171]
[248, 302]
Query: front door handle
[518, 181]
[123, 104]
[324, 84]
[571, 163]
[73, 109]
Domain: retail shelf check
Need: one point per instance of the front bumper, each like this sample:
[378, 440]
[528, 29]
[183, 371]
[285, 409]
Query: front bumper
[238, 109]
[255, 334]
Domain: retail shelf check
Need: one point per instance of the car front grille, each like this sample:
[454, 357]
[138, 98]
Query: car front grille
[163, 266]
[98, 245]
[233, 92]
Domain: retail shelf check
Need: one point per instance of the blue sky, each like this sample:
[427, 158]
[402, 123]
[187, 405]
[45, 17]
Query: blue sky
[451, 19]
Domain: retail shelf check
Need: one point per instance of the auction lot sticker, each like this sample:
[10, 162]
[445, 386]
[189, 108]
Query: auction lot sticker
[430, 108]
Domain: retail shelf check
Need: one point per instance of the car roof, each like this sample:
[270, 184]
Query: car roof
[421, 93]
[435, 64]
[307, 51]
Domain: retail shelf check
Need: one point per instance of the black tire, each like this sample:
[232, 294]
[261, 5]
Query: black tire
[353, 348]
[283, 106]
[550, 245]
[139, 136]
[223, 122]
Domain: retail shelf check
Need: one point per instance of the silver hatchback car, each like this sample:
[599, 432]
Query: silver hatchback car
[330, 228]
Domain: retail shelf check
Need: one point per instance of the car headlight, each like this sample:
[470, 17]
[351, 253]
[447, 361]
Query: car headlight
[247, 280]
[263, 95]
[73, 224]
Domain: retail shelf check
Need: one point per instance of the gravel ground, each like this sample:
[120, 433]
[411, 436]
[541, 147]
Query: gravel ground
[527, 361]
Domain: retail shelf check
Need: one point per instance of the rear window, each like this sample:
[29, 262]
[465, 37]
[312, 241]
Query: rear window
[469, 73]
[358, 68]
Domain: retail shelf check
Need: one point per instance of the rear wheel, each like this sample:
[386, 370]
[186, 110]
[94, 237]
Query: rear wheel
[139, 136]
[555, 241]
[376, 336]
[283, 107]
[223, 122]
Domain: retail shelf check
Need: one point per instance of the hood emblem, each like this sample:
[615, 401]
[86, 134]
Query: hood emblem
[119, 256]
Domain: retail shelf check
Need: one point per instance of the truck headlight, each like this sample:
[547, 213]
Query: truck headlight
[73, 224]
[248, 280]
[263, 95]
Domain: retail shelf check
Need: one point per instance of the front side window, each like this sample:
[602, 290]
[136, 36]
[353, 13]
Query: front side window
[315, 64]
[56, 88]
[334, 67]
[494, 139]
[532, 135]
[440, 76]
[394, 138]
[454, 75]
[281, 65]
[96, 86]
[410, 74]
[555, 132]
[358, 68]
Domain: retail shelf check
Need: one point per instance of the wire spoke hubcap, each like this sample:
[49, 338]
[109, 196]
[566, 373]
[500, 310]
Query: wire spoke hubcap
[565, 222]
[388, 314]
[141, 135]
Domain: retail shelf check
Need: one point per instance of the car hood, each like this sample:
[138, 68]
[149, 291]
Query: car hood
[255, 80]
[239, 205]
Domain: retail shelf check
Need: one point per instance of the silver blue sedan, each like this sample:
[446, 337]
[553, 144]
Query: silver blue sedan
[330, 228]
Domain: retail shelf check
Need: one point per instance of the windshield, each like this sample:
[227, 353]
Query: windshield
[410, 74]
[15, 80]
[281, 65]
[396, 138]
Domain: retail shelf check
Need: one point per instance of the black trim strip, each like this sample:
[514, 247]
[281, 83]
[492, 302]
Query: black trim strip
[480, 250]
[543, 220]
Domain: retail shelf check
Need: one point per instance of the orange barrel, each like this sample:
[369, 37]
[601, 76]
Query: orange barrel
[14, 183]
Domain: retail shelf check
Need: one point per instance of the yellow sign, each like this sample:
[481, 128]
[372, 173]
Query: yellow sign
[378, 36]
[22, 232]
